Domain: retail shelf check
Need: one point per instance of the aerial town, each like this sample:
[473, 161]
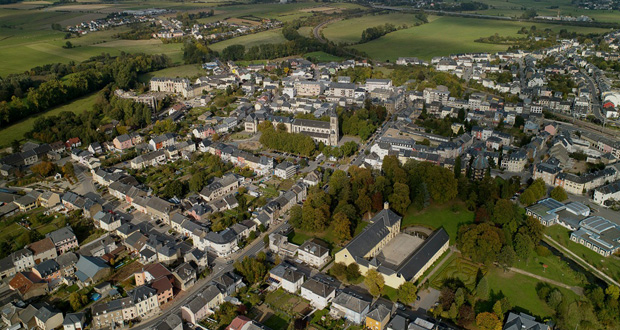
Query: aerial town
[300, 194]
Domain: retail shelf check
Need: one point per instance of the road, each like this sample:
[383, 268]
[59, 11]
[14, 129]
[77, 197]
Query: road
[317, 29]
[220, 267]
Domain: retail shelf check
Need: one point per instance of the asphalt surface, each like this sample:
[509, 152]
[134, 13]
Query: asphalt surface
[220, 267]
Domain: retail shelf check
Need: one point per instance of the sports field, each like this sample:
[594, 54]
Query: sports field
[17, 130]
[265, 37]
[448, 35]
[350, 30]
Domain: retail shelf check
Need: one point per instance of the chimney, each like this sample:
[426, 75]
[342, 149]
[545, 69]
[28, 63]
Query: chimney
[386, 205]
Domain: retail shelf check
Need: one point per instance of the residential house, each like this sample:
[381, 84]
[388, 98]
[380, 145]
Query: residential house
[286, 277]
[42, 250]
[145, 300]
[313, 254]
[23, 259]
[28, 285]
[352, 308]
[184, 276]
[48, 270]
[220, 187]
[285, 170]
[106, 221]
[90, 270]
[318, 293]
[64, 239]
[74, 321]
[378, 318]
[523, 321]
[113, 313]
[48, 318]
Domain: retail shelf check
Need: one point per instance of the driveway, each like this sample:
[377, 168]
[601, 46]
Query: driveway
[428, 298]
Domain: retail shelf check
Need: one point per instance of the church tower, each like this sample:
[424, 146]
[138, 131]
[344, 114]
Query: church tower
[334, 134]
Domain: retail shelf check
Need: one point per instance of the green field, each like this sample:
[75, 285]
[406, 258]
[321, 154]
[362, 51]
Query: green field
[519, 289]
[557, 269]
[448, 35]
[182, 71]
[17, 130]
[350, 30]
[608, 265]
[521, 292]
[323, 57]
[265, 37]
[437, 216]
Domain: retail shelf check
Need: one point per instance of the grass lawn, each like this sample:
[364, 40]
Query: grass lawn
[456, 267]
[17, 130]
[557, 270]
[350, 30]
[328, 236]
[323, 57]
[265, 37]
[277, 321]
[305, 31]
[608, 265]
[390, 293]
[448, 35]
[521, 292]
[436, 216]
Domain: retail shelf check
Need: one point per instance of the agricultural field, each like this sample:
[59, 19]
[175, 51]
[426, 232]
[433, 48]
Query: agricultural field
[265, 37]
[350, 30]
[17, 130]
[447, 35]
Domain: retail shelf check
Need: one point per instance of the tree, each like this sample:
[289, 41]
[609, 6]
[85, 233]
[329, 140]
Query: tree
[558, 193]
[613, 292]
[482, 289]
[251, 269]
[523, 246]
[296, 217]
[75, 301]
[198, 181]
[399, 199]
[457, 165]
[503, 212]
[527, 197]
[374, 282]
[497, 309]
[507, 256]
[480, 242]
[68, 170]
[43, 168]
[488, 321]
[342, 226]
[407, 293]
[353, 272]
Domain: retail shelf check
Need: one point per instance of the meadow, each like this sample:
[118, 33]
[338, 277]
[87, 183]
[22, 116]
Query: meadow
[448, 35]
[350, 30]
[255, 39]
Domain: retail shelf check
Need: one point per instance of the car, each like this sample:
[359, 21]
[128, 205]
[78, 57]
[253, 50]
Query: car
[229, 262]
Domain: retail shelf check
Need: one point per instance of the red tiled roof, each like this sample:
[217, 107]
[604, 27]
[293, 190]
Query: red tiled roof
[41, 246]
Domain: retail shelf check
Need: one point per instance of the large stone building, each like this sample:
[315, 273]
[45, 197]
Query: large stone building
[171, 85]
[397, 256]
[320, 131]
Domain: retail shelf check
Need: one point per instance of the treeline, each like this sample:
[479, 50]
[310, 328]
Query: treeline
[138, 31]
[377, 32]
[362, 122]
[123, 71]
[296, 44]
[197, 51]
[280, 139]
[67, 124]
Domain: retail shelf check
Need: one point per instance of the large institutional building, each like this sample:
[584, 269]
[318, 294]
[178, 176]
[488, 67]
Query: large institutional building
[318, 130]
[397, 256]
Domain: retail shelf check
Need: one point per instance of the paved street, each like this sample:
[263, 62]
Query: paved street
[220, 267]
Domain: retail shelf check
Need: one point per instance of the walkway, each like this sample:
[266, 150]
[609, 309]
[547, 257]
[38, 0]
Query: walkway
[578, 290]
[579, 260]
[451, 250]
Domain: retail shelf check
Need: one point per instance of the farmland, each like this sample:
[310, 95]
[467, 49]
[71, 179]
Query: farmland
[447, 35]
[265, 37]
[350, 30]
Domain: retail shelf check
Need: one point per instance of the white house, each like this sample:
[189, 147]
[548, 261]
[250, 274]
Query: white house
[319, 294]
